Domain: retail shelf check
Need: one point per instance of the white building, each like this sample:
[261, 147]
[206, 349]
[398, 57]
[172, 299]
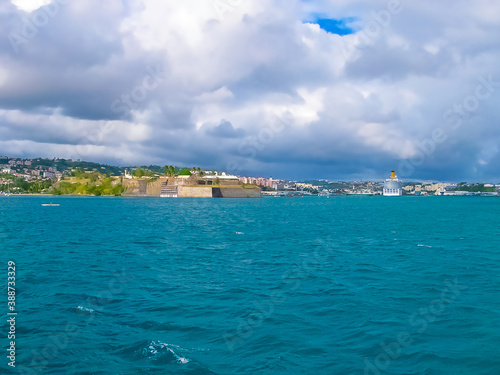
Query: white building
[392, 186]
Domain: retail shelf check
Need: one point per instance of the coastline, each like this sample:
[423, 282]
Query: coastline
[475, 195]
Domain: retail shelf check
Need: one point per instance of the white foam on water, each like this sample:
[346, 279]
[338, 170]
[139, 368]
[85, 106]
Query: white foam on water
[180, 359]
[183, 360]
[85, 309]
[155, 345]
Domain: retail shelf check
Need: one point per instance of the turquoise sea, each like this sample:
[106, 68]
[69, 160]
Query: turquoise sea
[341, 285]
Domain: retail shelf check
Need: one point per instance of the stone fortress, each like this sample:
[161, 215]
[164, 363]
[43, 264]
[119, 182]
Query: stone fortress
[194, 186]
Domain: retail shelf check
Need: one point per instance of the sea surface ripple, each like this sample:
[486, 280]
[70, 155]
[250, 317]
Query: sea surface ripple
[344, 285]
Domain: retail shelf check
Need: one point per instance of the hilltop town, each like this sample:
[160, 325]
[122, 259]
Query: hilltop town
[65, 176]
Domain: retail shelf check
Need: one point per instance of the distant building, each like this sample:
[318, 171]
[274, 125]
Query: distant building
[438, 186]
[392, 186]
[267, 182]
[128, 175]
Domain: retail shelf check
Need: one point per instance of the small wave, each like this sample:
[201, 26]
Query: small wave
[85, 309]
[240, 233]
[420, 245]
[159, 351]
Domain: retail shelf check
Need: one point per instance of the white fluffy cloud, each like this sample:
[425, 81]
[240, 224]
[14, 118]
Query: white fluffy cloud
[256, 87]
[30, 5]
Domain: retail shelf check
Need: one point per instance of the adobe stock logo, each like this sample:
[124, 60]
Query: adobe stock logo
[251, 146]
[454, 117]
[222, 7]
[31, 25]
[122, 106]
[419, 321]
[131, 100]
[377, 22]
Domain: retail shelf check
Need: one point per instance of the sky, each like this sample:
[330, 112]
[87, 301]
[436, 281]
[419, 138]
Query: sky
[332, 89]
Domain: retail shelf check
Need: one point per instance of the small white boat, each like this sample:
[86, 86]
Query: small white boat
[50, 204]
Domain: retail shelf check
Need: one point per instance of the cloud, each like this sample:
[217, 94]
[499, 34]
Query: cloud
[225, 130]
[357, 87]
[30, 5]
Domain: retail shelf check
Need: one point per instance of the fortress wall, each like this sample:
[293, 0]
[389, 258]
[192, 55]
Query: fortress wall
[141, 188]
[230, 182]
[154, 188]
[195, 192]
[131, 188]
[240, 192]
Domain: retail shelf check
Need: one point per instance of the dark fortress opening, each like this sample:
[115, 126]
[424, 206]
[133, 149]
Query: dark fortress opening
[216, 193]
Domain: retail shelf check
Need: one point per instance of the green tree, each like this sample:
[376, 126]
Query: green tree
[171, 171]
[117, 190]
[138, 172]
[77, 172]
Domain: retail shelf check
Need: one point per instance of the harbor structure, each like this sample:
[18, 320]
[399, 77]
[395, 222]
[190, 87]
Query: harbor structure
[194, 186]
[392, 186]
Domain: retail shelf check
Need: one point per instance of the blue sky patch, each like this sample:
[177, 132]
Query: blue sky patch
[336, 26]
